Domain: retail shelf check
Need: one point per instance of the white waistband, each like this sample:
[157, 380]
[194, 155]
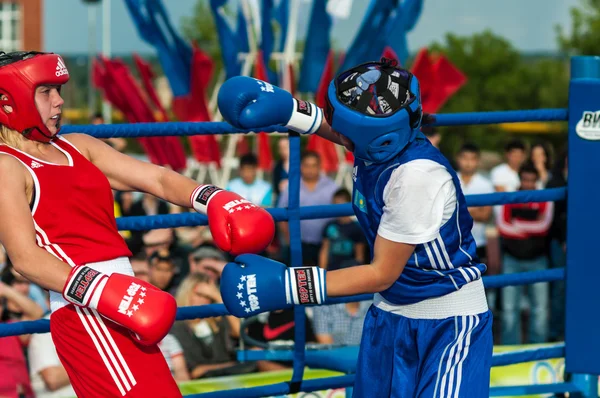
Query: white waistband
[469, 300]
[119, 265]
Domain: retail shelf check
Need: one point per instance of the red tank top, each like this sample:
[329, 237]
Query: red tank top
[72, 208]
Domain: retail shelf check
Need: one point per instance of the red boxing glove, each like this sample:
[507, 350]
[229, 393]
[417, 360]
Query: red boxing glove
[237, 225]
[147, 312]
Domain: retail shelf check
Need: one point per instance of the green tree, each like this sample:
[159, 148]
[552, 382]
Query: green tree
[584, 31]
[200, 28]
[499, 78]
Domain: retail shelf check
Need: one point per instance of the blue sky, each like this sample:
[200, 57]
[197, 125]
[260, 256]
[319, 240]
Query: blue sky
[528, 24]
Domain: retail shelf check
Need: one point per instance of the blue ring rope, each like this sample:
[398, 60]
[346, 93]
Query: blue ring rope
[212, 310]
[144, 223]
[207, 128]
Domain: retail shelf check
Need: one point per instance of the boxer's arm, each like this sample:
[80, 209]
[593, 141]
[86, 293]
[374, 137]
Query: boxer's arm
[126, 173]
[326, 132]
[17, 232]
[388, 263]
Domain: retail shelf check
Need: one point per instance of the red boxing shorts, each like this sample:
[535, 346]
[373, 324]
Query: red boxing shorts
[102, 360]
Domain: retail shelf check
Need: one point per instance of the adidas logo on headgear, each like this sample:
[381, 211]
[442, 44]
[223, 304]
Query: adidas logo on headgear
[61, 68]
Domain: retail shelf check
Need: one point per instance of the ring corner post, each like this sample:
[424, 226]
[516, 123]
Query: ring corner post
[296, 258]
[582, 348]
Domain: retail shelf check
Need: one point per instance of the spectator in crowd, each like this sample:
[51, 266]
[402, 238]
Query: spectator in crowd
[162, 270]
[540, 156]
[116, 142]
[524, 228]
[17, 306]
[173, 353]
[14, 379]
[140, 266]
[473, 182]
[315, 189]
[208, 259]
[343, 241]
[505, 177]
[149, 205]
[277, 328]
[558, 249]
[281, 169]
[208, 344]
[164, 240]
[125, 200]
[157, 240]
[49, 378]
[248, 185]
[340, 323]
[12, 278]
[433, 135]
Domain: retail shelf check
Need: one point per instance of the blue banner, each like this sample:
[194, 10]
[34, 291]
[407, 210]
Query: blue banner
[386, 23]
[228, 40]
[316, 48]
[282, 15]
[267, 37]
[174, 54]
[242, 32]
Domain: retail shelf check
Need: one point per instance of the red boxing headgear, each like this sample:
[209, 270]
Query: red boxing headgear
[18, 82]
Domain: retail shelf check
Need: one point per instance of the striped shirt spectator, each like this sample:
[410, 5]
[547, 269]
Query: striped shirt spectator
[340, 323]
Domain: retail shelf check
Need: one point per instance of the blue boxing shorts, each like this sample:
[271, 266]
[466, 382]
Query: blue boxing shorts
[408, 356]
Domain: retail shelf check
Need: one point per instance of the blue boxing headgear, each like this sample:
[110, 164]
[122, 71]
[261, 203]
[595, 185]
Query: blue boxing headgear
[377, 106]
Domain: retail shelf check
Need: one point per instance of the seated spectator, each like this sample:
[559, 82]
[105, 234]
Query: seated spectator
[149, 205]
[524, 228]
[162, 270]
[316, 188]
[343, 241]
[17, 306]
[118, 143]
[164, 240]
[49, 378]
[208, 344]
[248, 185]
[282, 168]
[277, 327]
[340, 323]
[158, 240]
[208, 259]
[14, 381]
[12, 278]
[173, 353]
[140, 266]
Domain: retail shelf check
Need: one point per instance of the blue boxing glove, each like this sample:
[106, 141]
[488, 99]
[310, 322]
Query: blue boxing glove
[254, 284]
[248, 103]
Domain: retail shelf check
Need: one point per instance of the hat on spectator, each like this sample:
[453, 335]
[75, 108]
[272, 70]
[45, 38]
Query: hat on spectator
[158, 236]
[208, 251]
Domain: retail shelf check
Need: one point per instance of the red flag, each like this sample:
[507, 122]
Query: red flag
[389, 53]
[146, 73]
[265, 156]
[325, 148]
[242, 146]
[260, 70]
[422, 68]
[326, 78]
[193, 108]
[326, 151]
[439, 80]
[449, 80]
